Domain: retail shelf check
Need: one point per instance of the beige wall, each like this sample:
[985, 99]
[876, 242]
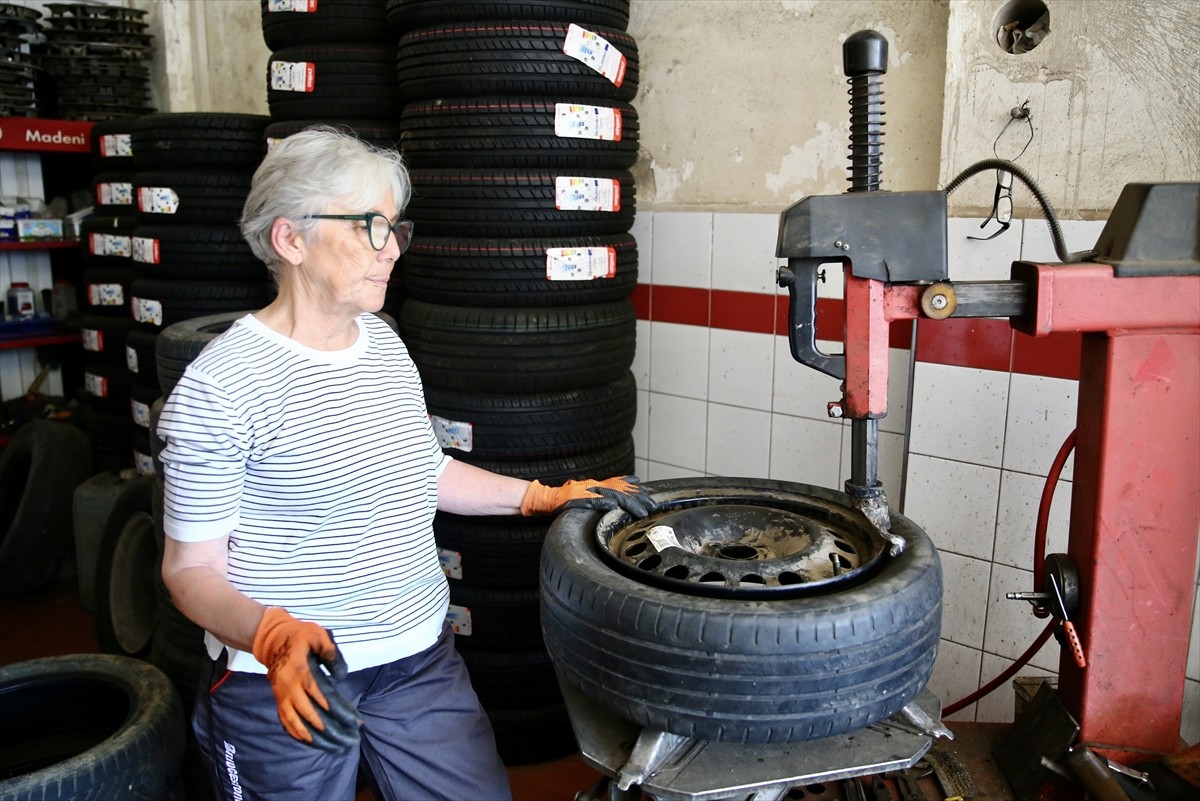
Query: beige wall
[743, 103]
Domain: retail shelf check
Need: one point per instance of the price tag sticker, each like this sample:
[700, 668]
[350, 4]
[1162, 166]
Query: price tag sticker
[662, 538]
[118, 193]
[580, 264]
[575, 121]
[157, 200]
[131, 359]
[452, 433]
[292, 6]
[145, 250]
[140, 412]
[459, 618]
[143, 463]
[147, 311]
[93, 340]
[106, 294]
[578, 193]
[293, 76]
[596, 52]
[96, 385]
[116, 145]
[451, 563]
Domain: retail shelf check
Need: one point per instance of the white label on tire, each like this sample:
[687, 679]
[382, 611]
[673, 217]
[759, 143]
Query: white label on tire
[93, 340]
[131, 359]
[451, 563]
[114, 145]
[596, 52]
[143, 463]
[296, 6]
[106, 294]
[145, 250]
[140, 412]
[459, 618]
[157, 200]
[96, 385]
[119, 193]
[662, 538]
[575, 193]
[293, 76]
[452, 433]
[109, 245]
[580, 264]
[574, 121]
[147, 311]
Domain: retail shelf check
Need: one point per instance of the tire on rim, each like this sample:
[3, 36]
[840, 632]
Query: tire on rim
[750, 668]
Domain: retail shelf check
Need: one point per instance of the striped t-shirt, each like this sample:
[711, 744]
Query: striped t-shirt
[322, 468]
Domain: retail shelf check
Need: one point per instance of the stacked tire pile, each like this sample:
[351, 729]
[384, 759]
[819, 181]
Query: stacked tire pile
[519, 133]
[106, 250]
[333, 63]
[192, 176]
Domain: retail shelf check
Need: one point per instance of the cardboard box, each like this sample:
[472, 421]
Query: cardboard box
[39, 229]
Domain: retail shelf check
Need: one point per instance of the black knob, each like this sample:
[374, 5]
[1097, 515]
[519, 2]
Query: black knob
[864, 53]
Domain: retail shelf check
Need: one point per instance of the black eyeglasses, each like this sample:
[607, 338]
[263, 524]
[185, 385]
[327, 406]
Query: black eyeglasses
[1002, 206]
[379, 228]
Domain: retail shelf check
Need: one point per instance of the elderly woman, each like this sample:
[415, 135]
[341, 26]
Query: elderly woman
[301, 477]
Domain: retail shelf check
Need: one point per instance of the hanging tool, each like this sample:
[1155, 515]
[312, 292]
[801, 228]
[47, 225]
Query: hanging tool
[1068, 626]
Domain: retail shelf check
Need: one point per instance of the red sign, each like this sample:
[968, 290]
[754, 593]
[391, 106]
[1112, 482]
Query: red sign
[28, 133]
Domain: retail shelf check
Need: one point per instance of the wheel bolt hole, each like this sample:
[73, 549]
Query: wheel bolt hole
[737, 551]
[676, 572]
[635, 549]
[844, 546]
[753, 578]
[650, 562]
[788, 578]
[713, 578]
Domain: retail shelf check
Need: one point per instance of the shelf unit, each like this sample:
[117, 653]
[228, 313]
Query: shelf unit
[40, 159]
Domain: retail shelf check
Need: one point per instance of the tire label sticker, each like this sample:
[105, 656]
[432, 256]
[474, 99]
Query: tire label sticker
[293, 76]
[580, 264]
[451, 563]
[157, 200]
[145, 250]
[109, 245]
[96, 385]
[140, 412]
[452, 433]
[116, 145]
[147, 311]
[93, 340]
[575, 121]
[296, 6]
[662, 538]
[596, 52]
[572, 193]
[143, 463]
[131, 359]
[106, 294]
[118, 193]
[459, 618]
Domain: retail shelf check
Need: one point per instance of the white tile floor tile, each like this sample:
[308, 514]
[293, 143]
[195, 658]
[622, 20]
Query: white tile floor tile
[1189, 729]
[955, 503]
[641, 426]
[679, 359]
[1041, 413]
[955, 676]
[964, 599]
[971, 260]
[1016, 521]
[641, 467]
[807, 451]
[999, 705]
[799, 390]
[959, 413]
[744, 252]
[677, 433]
[740, 367]
[739, 441]
[682, 249]
[1011, 626]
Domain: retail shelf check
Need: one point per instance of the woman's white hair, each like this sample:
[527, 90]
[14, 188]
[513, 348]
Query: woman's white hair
[310, 171]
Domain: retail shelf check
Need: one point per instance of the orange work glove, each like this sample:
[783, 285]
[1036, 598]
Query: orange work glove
[613, 493]
[294, 652]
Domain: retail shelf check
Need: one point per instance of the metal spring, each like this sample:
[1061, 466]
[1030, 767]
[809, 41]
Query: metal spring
[866, 132]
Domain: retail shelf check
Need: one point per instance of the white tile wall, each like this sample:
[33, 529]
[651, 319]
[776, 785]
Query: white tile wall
[734, 403]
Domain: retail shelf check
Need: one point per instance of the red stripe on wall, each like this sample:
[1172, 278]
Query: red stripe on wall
[981, 343]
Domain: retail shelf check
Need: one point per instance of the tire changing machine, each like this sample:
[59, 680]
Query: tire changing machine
[1135, 511]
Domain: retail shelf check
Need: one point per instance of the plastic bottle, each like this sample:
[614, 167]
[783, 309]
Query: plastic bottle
[19, 303]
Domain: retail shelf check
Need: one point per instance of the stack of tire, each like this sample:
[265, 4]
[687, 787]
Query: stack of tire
[333, 63]
[192, 176]
[106, 251]
[519, 134]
